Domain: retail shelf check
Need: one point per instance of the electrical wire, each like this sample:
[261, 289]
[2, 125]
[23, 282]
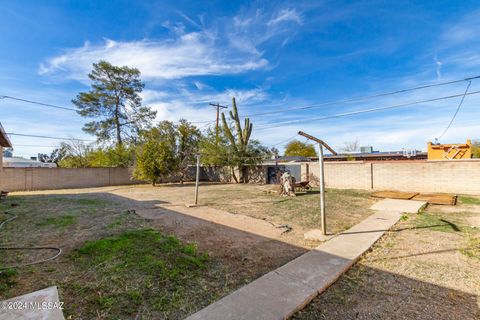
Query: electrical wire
[285, 141]
[38, 103]
[456, 112]
[351, 113]
[361, 98]
[45, 137]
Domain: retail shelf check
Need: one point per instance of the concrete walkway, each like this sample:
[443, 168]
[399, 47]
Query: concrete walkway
[396, 205]
[282, 292]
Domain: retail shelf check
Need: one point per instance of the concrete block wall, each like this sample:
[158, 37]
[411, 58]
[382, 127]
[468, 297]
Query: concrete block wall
[341, 175]
[19, 179]
[1, 168]
[459, 176]
[456, 176]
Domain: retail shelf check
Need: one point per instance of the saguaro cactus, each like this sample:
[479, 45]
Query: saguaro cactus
[239, 145]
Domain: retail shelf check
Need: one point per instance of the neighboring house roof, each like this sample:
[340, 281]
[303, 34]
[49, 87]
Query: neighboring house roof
[19, 162]
[4, 140]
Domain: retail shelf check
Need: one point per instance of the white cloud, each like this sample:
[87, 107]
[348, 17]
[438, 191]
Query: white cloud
[285, 15]
[191, 54]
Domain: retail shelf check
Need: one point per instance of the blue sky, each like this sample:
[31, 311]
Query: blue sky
[271, 55]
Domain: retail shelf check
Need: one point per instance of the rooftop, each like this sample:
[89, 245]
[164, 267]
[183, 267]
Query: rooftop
[4, 140]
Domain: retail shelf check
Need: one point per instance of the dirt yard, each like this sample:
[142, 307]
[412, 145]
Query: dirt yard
[120, 262]
[427, 267]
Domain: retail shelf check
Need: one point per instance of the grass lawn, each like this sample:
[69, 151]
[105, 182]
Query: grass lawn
[427, 267]
[114, 266]
[344, 208]
[117, 265]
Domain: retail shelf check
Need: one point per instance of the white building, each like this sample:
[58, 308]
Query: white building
[19, 162]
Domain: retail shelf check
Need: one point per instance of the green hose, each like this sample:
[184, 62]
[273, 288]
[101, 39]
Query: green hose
[59, 250]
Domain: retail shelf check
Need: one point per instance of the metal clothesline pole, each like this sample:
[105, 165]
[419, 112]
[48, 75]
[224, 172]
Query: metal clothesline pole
[321, 177]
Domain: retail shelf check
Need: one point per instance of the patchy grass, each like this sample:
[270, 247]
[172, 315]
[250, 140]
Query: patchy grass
[112, 266]
[7, 279]
[139, 269]
[344, 208]
[433, 254]
[473, 248]
[469, 200]
[58, 222]
[444, 222]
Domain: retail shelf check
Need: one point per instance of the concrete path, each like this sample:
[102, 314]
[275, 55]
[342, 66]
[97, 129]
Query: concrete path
[282, 292]
[236, 221]
[39, 305]
[396, 205]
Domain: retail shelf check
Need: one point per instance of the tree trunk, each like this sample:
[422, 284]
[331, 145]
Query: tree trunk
[243, 173]
[233, 175]
[117, 123]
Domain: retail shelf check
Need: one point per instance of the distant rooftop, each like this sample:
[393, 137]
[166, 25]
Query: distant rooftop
[19, 162]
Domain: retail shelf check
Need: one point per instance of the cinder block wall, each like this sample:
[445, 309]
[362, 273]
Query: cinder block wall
[19, 179]
[1, 168]
[459, 176]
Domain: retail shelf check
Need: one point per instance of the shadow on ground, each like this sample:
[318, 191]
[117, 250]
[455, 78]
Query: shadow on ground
[245, 256]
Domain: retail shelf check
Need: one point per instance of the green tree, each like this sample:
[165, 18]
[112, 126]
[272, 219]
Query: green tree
[155, 154]
[115, 103]
[114, 156]
[298, 148]
[188, 142]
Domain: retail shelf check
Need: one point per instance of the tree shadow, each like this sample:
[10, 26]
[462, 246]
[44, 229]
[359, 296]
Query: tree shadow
[248, 255]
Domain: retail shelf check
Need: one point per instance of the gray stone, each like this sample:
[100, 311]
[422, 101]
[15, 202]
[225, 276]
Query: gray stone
[39, 305]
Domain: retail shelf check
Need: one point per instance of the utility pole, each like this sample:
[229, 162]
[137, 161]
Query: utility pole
[321, 176]
[218, 107]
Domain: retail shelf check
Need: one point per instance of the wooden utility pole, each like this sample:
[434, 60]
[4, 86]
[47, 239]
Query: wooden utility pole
[218, 107]
[321, 176]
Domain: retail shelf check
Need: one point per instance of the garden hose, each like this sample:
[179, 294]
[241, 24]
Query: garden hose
[59, 250]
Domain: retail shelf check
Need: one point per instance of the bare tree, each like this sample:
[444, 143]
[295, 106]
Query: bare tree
[351, 146]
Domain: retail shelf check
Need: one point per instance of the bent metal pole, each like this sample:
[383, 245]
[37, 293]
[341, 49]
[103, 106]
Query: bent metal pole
[321, 177]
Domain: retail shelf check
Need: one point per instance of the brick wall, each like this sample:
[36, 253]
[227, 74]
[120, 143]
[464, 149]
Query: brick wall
[459, 176]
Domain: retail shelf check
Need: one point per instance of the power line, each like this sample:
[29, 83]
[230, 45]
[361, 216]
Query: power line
[70, 109]
[456, 112]
[34, 146]
[355, 99]
[38, 103]
[351, 113]
[284, 141]
[44, 137]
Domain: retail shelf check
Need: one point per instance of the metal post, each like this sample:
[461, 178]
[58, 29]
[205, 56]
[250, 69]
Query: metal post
[321, 182]
[197, 178]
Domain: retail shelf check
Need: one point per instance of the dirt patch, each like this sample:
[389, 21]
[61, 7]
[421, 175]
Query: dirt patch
[70, 218]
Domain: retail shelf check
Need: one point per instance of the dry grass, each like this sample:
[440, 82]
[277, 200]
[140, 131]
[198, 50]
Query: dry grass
[344, 208]
[112, 267]
[118, 284]
[427, 267]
